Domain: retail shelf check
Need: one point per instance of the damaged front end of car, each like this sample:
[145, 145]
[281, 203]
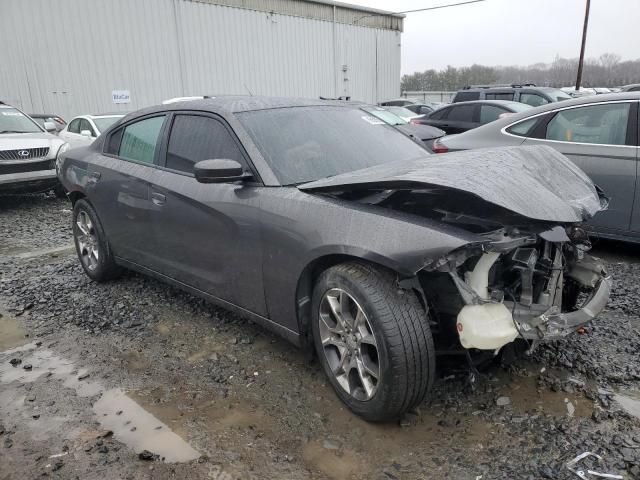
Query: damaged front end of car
[532, 285]
[527, 274]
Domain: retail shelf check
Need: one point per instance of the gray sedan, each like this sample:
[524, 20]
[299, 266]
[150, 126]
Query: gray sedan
[598, 133]
[330, 227]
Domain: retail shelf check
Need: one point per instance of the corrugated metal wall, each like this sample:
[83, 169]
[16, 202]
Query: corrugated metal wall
[67, 56]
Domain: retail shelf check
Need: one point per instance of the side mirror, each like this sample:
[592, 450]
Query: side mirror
[219, 171]
[86, 133]
[50, 126]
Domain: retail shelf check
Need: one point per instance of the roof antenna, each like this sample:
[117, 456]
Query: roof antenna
[245, 86]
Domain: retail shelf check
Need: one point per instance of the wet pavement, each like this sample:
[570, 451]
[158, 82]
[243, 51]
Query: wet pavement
[134, 379]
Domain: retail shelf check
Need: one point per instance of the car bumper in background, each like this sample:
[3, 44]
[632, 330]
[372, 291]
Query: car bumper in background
[28, 181]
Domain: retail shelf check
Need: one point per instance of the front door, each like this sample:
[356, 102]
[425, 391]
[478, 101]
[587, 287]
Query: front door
[600, 139]
[207, 235]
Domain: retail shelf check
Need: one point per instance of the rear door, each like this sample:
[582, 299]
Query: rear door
[118, 187]
[602, 140]
[490, 113]
[461, 118]
[207, 235]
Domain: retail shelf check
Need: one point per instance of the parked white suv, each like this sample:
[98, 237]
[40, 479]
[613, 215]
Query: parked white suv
[83, 130]
[27, 154]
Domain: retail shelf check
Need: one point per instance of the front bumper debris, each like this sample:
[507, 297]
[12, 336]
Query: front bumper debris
[552, 324]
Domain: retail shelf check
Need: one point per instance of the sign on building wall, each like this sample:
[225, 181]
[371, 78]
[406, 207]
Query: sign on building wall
[121, 96]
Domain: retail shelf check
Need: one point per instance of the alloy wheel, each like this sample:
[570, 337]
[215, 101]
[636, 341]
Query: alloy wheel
[88, 246]
[349, 344]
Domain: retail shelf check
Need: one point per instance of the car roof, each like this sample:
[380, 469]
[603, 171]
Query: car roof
[499, 103]
[240, 103]
[100, 115]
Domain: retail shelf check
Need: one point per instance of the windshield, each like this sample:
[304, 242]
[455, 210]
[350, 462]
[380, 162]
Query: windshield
[402, 112]
[13, 120]
[385, 116]
[303, 144]
[105, 122]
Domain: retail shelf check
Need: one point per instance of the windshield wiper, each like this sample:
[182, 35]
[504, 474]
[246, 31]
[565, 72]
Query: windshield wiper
[12, 131]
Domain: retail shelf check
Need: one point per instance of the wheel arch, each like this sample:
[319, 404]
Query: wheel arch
[315, 267]
[75, 196]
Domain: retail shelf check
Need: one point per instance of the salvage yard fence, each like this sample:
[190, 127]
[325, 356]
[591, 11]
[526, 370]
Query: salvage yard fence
[429, 96]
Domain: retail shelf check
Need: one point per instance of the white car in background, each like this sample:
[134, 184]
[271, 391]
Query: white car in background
[84, 129]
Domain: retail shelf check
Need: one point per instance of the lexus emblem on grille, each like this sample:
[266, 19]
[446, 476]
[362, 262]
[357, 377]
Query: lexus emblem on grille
[23, 153]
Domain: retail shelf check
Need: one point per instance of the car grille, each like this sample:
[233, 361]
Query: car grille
[27, 167]
[24, 153]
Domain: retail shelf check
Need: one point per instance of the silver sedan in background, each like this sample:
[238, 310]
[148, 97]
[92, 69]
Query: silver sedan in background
[598, 133]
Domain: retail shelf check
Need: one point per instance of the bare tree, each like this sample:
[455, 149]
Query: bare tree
[606, 71]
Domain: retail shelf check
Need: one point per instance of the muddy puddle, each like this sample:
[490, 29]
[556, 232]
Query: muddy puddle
[11, 250]
[527, 397]
[27, 253]
[12, 333]
[139, 429]
[130, 423]
[629, 401]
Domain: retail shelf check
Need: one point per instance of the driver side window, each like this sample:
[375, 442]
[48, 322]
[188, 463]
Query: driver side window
[194, 138]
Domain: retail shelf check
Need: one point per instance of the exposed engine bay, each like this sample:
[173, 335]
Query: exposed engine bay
[531, 286]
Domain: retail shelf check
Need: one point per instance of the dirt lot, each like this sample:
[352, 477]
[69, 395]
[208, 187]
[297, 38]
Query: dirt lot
[134, 379]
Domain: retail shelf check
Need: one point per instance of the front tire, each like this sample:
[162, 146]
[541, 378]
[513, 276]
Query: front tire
[92, 247]
[373, 340]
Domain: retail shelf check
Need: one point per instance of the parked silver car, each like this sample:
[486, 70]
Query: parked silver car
[27, 154]
[598, 133]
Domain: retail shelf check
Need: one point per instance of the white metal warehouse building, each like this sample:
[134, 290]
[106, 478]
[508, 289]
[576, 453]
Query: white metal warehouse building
[72, 57]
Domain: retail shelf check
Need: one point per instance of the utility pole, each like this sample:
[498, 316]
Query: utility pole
[584, 41]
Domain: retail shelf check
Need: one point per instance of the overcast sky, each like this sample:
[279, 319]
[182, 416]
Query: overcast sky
[511, 32]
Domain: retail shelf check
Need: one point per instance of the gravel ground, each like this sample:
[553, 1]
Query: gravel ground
[201, 382]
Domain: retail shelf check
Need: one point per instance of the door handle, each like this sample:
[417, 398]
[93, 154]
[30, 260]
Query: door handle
[158, 198]
[94, 177]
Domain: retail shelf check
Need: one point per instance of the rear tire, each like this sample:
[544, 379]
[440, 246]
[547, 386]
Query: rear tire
[92, 247]
[400, 352]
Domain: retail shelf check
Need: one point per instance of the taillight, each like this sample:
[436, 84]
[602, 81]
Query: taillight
[438, 147]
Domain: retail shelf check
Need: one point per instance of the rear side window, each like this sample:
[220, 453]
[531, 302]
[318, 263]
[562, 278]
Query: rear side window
[463, 113]
[498, 96]
[598, 124]
[466, 96]
[440, 114]
[533, 99]
[523, 129]
[489, 113]
[194, 138]
[140, 140]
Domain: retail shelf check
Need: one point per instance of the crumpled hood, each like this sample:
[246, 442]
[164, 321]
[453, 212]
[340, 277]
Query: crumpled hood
[536, 182]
